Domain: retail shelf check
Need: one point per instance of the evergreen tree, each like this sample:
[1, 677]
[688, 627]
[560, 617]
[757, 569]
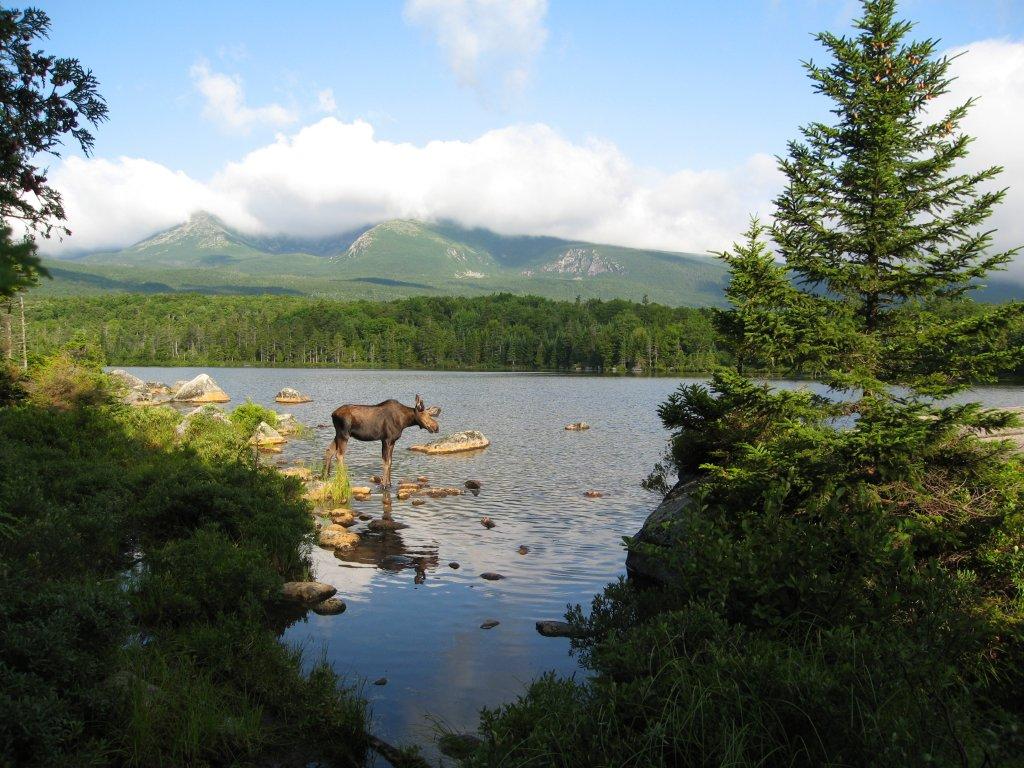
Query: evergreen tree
[878, 227]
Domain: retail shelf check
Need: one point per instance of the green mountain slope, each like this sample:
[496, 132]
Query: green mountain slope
[394, 258]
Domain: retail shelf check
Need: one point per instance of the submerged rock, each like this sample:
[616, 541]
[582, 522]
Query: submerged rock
[487, 523]
[201, 389]
[490, 624]
[470, 440]
[381, 681]
[332, 606]
[291, 395]
[578, 426]
[306, 592]
[556, 629]
[491, 576]
[473, 485]
[386, 524]
[523, 549]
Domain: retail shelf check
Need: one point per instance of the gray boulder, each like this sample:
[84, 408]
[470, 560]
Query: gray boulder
[201, 389]
[470, 440]
[657, 531]
[130, 380]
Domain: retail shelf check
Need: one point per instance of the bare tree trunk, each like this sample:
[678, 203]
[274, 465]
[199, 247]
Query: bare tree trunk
[8, 335]
[24, 336]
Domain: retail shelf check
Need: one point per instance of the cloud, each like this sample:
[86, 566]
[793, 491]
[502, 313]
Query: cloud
[333, 175]
[325, 101]
[225, 102]
[485, 41]
[993, 71]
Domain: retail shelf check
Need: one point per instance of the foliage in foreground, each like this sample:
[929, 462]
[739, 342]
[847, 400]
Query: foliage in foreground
[844, 582]
[136, 584]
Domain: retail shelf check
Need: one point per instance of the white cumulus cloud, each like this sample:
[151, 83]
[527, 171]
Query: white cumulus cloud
[224, 102]
[993, 71]
[485, 40]
[325, 101]
[333, 175]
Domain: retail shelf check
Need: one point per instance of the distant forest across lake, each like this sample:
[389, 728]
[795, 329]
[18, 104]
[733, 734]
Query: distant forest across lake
[498, 332]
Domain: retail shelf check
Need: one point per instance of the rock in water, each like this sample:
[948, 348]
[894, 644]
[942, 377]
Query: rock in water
[202, 389]
[470, 440]
[291, 395]
[266, 435]
[332, 606]
[386, 524]
[418, 502]
[578, 426]
[381, 681]
[490, 624]
[453, 565]
[337, 537]
[487, 523]
[491, 576]
[473, 485]
[523, 549]
[303, 473]
[556, 629]
[306, 592]
[342, 516]
[593, 494]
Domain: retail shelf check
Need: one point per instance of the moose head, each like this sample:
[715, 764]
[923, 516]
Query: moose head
[425, 416]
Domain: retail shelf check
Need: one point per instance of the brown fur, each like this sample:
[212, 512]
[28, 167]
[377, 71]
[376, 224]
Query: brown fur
[385, 422]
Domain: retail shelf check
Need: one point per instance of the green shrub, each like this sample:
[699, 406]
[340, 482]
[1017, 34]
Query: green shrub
[248, 416]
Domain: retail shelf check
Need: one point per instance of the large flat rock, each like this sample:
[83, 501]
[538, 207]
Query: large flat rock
[470, 440]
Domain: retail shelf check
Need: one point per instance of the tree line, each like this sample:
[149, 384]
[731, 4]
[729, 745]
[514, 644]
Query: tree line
[491, 332]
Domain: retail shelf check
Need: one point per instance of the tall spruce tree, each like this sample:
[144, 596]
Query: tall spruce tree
[877, 225]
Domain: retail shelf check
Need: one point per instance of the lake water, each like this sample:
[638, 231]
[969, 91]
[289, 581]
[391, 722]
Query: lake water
[424, 636]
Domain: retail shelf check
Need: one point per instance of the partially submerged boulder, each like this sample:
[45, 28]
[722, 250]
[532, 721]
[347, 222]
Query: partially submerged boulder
[291, 395]
[578, 426]
[201, 389]
[470, 440]
[557, 629]
[658, 533]
[266, 435]
[306, 592]
[337, 537]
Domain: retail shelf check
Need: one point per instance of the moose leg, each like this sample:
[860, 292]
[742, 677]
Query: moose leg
[386, 449]
[336, 448]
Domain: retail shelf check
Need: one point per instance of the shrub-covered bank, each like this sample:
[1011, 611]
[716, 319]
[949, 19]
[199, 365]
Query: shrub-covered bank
[138, 576]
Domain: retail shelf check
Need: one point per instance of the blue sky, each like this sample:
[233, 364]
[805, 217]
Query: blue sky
[673, 87]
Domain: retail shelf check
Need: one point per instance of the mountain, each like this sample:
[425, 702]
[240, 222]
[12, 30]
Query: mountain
[394, 258]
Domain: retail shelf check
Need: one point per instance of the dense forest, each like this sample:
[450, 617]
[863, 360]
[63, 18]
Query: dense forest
[499, 332]
[491, 332]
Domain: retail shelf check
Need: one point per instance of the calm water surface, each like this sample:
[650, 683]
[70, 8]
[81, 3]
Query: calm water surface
[425, 638]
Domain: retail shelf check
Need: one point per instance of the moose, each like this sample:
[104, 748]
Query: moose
[385, 422]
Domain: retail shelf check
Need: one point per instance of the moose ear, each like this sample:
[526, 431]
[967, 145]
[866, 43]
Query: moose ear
[419, 403]
[434, 410]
